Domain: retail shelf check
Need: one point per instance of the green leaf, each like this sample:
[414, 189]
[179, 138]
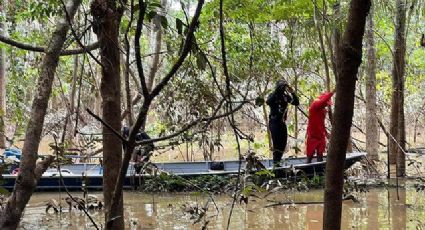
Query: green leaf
[247, 190]
[257, 146]
[155, 4]
[265, 172]
[4, 191]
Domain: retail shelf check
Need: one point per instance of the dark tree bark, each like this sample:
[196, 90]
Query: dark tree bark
[107, 16]
[350, 56]
[31, 171]
[397, 125]
[372, 138]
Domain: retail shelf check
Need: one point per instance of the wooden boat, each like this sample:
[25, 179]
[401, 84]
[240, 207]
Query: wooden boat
[78, 176]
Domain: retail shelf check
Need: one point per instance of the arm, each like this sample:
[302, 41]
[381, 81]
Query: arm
[322, 102]
[295, 101]
[272, 99]
[293, 98]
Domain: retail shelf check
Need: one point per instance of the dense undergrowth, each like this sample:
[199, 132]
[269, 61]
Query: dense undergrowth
[225, 184]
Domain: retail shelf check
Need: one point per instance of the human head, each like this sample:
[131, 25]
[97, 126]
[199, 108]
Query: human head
[281, 86]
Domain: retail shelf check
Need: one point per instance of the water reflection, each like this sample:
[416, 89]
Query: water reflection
[144, 211]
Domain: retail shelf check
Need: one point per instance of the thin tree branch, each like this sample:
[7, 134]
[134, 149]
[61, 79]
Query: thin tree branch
[107, 126]
[29, 47]
[77, 39]
[190, 125]
[142, 10]
[66, 188]
[186, 49]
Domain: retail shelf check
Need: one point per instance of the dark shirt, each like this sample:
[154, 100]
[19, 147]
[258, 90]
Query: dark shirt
[139, 137]
[278, 103]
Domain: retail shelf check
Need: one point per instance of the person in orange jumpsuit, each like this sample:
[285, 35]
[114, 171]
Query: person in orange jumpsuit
[316, 130]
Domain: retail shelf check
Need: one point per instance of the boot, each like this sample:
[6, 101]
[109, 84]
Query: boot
[309, 159]
[319, 158]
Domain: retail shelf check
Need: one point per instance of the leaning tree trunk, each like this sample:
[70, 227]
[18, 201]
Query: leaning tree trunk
[107, 16]
[372, 138]
[30, 170]
[2, 85]
[350, 57]
[397, 128]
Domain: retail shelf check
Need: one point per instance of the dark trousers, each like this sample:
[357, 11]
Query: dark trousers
[279, 134]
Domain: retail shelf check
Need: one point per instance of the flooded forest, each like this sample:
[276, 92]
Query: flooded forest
[212, 114]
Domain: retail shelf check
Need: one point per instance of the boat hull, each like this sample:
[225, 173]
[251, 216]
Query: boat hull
[291, 167]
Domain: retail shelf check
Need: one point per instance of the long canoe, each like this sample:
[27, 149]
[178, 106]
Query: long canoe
[89, 175]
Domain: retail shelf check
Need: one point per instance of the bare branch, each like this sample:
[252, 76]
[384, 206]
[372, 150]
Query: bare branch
[29, 47]
[77, 39]
[190, 125]
[186, 49]
[142, 10]
[107, 125]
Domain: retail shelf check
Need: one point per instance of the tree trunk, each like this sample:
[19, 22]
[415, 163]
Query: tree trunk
[74, 90]
[2, 86]
[324, 56]
[397, 128]
[68, 130]
[97, 102]
[30, 170]
[350, 56]
[372, 138]
[296, 131]
[322, 48]
[156, 44]
[141, 118]
[108, 16]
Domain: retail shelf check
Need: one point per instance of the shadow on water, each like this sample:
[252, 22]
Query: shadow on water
[164, 211]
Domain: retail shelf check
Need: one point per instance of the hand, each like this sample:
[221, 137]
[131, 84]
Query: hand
[289, 89]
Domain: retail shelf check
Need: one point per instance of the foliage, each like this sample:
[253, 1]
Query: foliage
[171, 183]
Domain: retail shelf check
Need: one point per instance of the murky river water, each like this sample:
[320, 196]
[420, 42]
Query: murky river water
[145, 211]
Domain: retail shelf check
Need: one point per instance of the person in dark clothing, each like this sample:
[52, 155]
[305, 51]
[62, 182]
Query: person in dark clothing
[278, 101]
[142, 153]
